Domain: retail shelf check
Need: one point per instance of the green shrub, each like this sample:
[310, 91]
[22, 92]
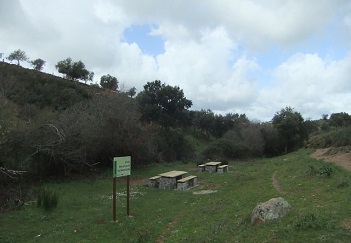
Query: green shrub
[342, 137]
[47, 199]
[307, 221]
[226, 149]
[337, 138]
[326, 171]
[172, 145]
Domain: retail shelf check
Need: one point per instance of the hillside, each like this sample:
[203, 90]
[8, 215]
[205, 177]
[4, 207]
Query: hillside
[29, 87]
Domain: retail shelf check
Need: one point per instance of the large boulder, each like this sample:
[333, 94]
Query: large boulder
[270, 211]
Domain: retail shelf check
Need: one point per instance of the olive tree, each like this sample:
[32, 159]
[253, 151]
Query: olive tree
[164, 104]
[18, 56]
[291, 127]
[74, 70]
[38, 64]
[109, 82]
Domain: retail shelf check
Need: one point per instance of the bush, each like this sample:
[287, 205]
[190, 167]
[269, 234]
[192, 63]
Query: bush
[342, 137]
[337, 138]
[47, 199]
[172, 145]
[326, 171]
[226, 149]
[273, 145]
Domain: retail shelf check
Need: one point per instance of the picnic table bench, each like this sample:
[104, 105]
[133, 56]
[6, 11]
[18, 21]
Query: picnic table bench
[201, 168]
[154, 181]
[222, 169]
[186, 182]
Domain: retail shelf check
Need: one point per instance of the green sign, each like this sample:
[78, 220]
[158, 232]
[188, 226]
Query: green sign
[121, 166]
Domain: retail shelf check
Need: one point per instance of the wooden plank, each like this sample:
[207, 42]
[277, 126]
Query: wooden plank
[222, 166]
[213, 163]
[186, 179]
[154, 177]
[173, 173]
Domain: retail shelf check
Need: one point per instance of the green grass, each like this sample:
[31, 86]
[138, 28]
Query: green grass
[320, 212]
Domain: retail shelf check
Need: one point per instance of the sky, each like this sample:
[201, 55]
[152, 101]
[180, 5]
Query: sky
[252, 57]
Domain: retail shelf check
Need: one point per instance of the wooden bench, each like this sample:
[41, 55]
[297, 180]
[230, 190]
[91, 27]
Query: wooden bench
[201, 168]
[222, 169]
[154, 181]
[187, 182]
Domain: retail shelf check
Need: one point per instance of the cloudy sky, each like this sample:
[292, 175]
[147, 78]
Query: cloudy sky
[240, 56]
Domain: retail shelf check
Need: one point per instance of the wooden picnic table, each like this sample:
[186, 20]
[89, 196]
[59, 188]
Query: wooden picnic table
[169, 179]
[212, 166]
[173, 173]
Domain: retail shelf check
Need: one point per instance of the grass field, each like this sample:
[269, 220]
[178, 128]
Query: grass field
[320, 200]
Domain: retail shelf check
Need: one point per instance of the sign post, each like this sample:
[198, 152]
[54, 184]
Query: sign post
[121, 167]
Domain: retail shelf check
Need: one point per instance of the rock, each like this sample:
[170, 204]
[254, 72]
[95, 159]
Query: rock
[270, 211]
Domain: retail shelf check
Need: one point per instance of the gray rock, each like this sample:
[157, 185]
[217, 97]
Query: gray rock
[270, 211]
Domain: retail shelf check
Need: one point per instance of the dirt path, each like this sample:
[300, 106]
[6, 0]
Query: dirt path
[333, 155]
[168, 227]
[276, 183]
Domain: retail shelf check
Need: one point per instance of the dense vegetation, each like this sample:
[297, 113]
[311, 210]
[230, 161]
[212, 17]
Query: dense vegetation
[55, 127]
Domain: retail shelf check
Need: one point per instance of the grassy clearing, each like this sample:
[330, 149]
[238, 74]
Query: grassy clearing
[321, 210]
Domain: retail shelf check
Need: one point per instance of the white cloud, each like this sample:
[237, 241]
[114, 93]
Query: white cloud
[312, 85]
[204, 69]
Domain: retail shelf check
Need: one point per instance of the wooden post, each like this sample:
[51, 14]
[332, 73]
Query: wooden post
[128, 194]
[114, 198]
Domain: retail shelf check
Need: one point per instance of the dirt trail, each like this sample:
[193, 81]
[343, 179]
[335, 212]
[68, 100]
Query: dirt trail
[342, 159]
[168, 227]
[276, 183]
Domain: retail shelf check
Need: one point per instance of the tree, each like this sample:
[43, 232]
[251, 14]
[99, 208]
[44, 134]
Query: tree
[18, 55]
[341, 119]
[131, 92]
[65, 67]
[163, 104]
[109, 82]
[38, 64]
[74, 70]
[291, 128]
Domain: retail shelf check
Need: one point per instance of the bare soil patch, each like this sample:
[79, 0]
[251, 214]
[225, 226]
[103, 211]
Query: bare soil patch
[276, 183]
[340, 156]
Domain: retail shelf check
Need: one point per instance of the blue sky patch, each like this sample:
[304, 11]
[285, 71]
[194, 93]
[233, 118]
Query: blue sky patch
[149, 44]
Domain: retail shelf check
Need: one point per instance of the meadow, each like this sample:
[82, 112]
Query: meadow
[217, 210]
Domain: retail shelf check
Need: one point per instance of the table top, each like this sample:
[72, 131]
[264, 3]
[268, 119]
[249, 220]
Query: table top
[213, 163]
[173, 173]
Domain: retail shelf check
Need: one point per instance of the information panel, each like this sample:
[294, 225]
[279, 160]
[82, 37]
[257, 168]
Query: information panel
[121, 166]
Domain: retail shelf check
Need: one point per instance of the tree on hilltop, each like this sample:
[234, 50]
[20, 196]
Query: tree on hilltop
[109, 82]
[74, 70]
[131, 92]
[38, 64]
[18, 56]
